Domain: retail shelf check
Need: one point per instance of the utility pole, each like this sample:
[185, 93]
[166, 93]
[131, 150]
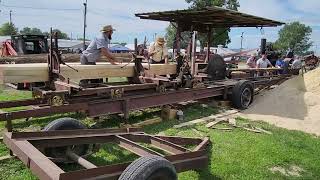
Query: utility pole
[241, 41]
[10, 17]
[84, 24]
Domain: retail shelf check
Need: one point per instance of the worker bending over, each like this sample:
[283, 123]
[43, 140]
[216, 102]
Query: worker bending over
[99, 46]
[158, 52]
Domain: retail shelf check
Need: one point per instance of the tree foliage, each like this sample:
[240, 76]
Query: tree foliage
[31, 31]
[61, 35]
[8, 29]
[294, 36]
[171, 35]
[219, 35]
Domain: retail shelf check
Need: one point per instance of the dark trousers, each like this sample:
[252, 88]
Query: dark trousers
[84, 61]
[155, 62]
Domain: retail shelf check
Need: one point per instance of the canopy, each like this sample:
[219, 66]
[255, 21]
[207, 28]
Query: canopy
[214, 17]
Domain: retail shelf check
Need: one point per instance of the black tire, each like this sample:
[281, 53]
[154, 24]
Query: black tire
[65, 124]
[149, 168]
[216, 68]
[242, 94]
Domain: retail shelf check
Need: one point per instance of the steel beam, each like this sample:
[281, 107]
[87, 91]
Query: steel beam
[83, 162]
[33, 158]
[136, 148]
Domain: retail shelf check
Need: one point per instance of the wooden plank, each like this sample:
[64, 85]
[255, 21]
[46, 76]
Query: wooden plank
[3, 158]
[38, 72]
[206, 119]
[209, 125]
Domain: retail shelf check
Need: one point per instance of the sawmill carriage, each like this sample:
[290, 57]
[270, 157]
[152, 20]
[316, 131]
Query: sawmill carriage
[147, 88]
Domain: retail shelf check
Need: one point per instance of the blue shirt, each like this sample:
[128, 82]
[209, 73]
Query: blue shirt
[280, 63]
[93, 52]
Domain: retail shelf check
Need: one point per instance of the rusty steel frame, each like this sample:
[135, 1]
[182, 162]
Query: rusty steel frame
[95, 106]
[27, 146]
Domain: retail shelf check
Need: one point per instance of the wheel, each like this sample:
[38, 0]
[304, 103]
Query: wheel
[216, 68]
[149, 168]
[65, 124]
[242, 94]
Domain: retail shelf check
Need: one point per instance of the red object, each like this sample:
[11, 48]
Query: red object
[7, 49]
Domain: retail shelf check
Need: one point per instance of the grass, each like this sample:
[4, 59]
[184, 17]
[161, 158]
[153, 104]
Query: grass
[237, 154]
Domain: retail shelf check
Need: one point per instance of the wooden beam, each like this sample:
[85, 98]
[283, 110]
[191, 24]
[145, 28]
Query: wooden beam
[38, 72]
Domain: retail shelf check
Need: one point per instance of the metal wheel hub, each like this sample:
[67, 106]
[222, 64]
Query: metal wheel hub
[246, 97]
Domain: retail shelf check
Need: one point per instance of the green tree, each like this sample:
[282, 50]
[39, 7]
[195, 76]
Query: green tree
[61, 35]
[32, 31]
[294, 36]
[219, 35]
[8, 29]
[171, 35]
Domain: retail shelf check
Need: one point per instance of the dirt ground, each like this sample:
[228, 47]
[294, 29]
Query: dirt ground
[294, 105]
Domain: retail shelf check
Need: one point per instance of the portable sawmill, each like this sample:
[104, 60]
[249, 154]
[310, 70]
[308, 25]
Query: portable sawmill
[148, 86]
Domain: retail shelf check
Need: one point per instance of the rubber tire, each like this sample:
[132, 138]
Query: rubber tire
[216, 68]
[237, 92]
[66, 123]
[148, 167]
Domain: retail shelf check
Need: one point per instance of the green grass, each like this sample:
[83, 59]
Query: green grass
[237, 154]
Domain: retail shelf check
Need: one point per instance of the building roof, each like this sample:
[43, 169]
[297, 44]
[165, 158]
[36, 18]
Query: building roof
[119, 48]
[215, 17]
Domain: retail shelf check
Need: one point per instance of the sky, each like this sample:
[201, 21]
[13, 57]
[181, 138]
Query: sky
[67, 15]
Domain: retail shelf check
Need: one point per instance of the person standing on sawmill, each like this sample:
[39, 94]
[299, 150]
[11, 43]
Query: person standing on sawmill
[99, 46]
[158, 52]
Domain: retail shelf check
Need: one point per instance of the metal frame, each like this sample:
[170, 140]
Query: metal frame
[27, 146]
[95, 105]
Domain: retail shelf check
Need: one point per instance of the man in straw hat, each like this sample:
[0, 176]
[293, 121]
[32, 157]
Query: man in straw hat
[98, 47]
[158, 52]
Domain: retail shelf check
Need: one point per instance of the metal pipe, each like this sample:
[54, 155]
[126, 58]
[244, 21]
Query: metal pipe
[83, 162]
[194, 49]
[84, 24]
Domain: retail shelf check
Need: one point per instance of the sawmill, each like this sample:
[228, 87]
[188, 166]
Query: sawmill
[148, 85]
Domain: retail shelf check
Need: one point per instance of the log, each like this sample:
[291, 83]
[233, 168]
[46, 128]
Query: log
[38, 72]
[42, 58]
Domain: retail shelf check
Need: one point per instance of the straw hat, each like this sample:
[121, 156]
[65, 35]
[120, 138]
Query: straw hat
[160, 40]
[107, 28]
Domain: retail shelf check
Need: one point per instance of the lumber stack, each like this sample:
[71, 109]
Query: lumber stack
[38, 72]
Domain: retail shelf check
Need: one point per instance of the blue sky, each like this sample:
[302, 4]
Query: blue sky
[120, 13]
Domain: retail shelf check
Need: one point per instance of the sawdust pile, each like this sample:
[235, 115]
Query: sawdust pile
[295, 104]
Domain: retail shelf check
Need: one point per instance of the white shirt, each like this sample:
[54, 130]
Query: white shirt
[297, 64]
[263, 63]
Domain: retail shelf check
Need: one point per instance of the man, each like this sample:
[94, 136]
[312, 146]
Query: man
[263, 62]
[281, 64]
[296, 65]
[252, 61]
[98, 47]
[158, 52]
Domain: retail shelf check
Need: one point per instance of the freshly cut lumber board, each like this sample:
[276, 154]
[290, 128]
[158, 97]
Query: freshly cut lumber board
[38, 72]
[42, 58]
